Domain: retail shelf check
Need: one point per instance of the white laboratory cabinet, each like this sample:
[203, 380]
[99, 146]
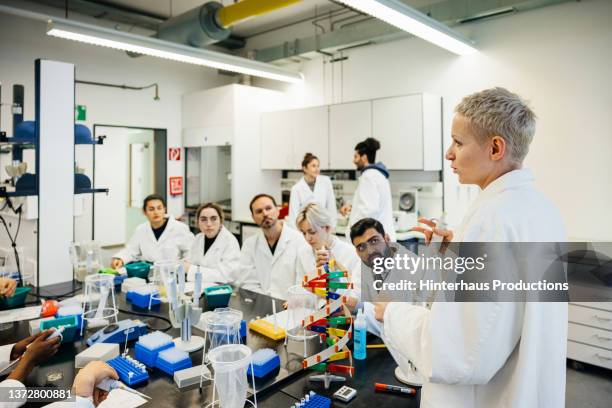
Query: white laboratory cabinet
[287, 135]
[408, 127]
[231, 115]
[349, 124]
[589, 336]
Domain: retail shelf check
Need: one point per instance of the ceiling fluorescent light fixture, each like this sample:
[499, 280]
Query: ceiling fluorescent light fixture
[154, 47]
[406, 18]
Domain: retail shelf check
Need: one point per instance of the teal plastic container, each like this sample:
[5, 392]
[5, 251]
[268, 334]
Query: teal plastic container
[17, 300]
[218, 296]
[138, 269]
[70, 324]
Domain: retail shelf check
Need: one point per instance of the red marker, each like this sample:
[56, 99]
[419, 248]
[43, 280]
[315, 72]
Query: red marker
[394, 389]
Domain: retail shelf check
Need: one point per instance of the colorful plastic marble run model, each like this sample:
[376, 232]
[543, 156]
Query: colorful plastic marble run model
[333, 322]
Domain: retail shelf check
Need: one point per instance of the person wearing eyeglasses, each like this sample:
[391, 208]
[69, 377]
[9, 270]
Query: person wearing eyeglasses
[215, 251]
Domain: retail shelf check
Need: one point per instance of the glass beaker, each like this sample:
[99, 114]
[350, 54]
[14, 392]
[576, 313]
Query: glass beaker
[99, 300]
[300, 304]
[230, 380]
[85, 257]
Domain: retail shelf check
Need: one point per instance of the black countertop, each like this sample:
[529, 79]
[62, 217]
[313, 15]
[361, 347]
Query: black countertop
[289, 386]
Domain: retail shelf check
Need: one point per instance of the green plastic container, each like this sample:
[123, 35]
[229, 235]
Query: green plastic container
[218, 296]
[17, 300]
[70, 324]
[108, 271]
[138, 269]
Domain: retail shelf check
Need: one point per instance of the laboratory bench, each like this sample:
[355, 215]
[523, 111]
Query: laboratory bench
[289, 386]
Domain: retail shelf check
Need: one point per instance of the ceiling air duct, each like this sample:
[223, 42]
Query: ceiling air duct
[210, 23]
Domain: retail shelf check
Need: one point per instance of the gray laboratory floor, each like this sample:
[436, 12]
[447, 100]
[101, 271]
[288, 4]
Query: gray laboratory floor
[588, 387]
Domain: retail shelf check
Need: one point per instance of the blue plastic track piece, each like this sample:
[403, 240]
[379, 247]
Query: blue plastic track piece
[332, 295]
[130, 371]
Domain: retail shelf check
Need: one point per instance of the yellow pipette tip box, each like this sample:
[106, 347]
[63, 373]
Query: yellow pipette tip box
[265, 328]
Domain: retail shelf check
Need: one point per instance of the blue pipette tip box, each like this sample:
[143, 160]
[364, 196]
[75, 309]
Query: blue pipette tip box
[172, 359]
[314, 401]
[148, 347]
[218, 296]
[140, 297]
[130, 371]
[264, 361]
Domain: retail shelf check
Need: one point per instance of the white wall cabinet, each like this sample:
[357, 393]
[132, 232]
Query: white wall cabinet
[207, 118]
[311, 134]
[276, 140]
[409, 129]
[287, 135]
[349, 124]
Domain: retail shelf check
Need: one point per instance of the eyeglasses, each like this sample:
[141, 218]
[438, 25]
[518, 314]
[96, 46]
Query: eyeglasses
[374, 241]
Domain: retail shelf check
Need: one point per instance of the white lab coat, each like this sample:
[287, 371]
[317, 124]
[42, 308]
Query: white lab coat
[372, 199]
[344, 253]
[220, 263]
[266, 273]
[490, 354]
[5, 360]
[323, 194]
[174, 243]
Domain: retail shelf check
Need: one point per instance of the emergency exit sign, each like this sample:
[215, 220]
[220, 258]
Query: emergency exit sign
[81, 112]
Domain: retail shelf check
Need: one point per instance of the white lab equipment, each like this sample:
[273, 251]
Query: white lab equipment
[183, 309]
[85, 257]
[300, 303]
[220, 327]
[99, 300]
[230, 380]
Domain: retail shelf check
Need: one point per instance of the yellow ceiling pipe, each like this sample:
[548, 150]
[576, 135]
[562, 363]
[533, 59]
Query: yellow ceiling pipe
[245, 9]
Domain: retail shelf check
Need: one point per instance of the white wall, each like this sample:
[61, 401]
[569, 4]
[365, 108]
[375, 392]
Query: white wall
[558, 57]
[23, 40]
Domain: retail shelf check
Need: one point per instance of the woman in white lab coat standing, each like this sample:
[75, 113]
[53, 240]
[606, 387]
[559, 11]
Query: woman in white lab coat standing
[161, 238]
[312, 187]
[489, 354]
[315, 224]
[215, 251]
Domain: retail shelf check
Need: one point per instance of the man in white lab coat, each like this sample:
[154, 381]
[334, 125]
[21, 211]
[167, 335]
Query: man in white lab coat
[269, 258]
[372, 198]
[161, 238]
[500, 354]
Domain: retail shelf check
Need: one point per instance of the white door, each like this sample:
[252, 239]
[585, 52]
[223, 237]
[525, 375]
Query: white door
[349, 124]
[111, 172]
[398, 125]
[311, 134]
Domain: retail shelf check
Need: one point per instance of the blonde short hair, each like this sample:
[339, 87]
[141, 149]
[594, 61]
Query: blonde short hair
[317, 216]
[499, 112]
